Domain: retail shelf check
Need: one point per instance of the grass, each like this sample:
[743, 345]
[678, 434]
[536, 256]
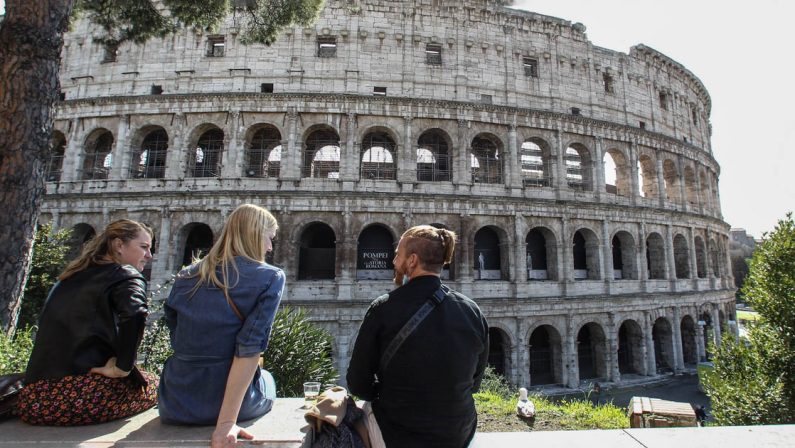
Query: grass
[496, 406]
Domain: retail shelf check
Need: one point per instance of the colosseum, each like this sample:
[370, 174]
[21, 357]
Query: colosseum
[580, 180]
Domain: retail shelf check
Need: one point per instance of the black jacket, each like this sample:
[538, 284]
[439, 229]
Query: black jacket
[424, 398]
[95, 314]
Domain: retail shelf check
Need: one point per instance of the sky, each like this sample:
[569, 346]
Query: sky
[740, 51]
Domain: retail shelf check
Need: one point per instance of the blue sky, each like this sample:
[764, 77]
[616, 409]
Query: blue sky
[740, 52]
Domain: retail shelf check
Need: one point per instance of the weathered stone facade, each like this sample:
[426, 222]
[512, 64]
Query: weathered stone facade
[493, 122]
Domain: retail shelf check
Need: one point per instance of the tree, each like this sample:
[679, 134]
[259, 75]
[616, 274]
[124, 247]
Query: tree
[754, 382]
[31, 40]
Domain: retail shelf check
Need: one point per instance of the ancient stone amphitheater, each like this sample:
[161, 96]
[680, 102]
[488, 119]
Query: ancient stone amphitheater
[580, 180]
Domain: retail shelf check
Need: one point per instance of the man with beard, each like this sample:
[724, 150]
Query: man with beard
[421, 392]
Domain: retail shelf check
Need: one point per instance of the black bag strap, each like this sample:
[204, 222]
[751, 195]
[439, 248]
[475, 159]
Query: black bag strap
[412, 324]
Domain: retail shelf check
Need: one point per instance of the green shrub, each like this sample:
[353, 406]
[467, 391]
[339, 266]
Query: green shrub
[298, 351]
[496, 384]
[15, 351]
[49, 259]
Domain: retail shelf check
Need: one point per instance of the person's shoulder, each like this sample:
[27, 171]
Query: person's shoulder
[262, 271]
[464, 300]
[120, 272]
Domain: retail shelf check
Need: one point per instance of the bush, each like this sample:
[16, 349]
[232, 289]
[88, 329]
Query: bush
[15, 351]
[495, 384]
[298, 351]
[49, 259]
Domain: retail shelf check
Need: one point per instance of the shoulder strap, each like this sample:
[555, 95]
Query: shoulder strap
[409, 327]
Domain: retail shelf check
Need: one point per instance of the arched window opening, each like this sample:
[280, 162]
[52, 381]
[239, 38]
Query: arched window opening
[663, 345]
[205, 159]
[701, 258]
[264, 153]
[655, 256]
[671, 178]
[681, 257]
[689, 344]
[485, 161]
[487, 264]
[579, 256]
[535, 165]
[198, 242]
[585, 255]
[375, 251]
[149, 161]
[690, 187]
[616, 172]
[318, 251]
[624, 266]
[610, 173]
[499, 351]
[591, 352]
[378, 157]
[630, 348]
[55, 160]
[81, 234]
[647, 177]
[98, 159]
[322, 155]
[545, 356]
[433, 158]
[537, 254]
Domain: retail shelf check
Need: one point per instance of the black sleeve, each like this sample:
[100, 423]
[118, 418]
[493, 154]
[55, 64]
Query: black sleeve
[364, 359]
[484, 357]
[128, 299]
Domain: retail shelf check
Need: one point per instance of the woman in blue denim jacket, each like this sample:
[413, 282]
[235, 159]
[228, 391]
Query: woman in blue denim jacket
[220, 312]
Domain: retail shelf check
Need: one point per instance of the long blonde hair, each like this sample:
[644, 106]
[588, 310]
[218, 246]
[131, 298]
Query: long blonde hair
[98, 250]
[244, 235]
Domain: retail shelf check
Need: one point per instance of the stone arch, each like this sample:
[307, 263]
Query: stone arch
[542, 255]
[701, 257]
[204, 159]
[54, 167]
[691, 192]
[585, 254]
[379, 155]
[624, 260]
[98, 154]
[578, 167]
[630, 348]
[375, 250]
[486, 159]
[647, 177]
[545, 356]
[264, 149]
[681, 256]
[196, 239]
[592, 352]
[489, 256]
[148, 158]
[321, 154]
[671, 180]
[317, 252]
[689, 343]
[616, 161]
[663, 337]
[434, 158]
[535, 158]
[655, 256]
[500, 351]
[81, 234]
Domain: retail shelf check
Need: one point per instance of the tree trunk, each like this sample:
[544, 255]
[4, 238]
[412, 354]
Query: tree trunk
[31, 38]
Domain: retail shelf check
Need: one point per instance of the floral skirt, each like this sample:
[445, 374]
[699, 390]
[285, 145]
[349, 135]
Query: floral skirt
[84, 399]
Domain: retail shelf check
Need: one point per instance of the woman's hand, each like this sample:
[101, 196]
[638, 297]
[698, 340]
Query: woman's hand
[110, 370]
[226, 434]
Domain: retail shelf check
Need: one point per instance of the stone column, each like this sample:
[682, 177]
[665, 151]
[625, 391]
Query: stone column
[461, 170]
[520, 265]
[407, 157]
[466, 249]
[71, 169]
[607, 252]
[699, 198]
[513, 169]
[232, 146]
[612, 344]
[598, 169]
[680, 172]
[560, 183]
[716, 325]
[641, 256]
[350, 156]
[651, 362]
[633, 172]
[679, 357]
[693, 260]
[55, 220]
[346, 247]
[572, 367]
[565, 255]
[662, 192]
[175, 158]
[702, 351]
[120, 159]
[162, 266]
[292, 154]
[669, 253]
[522, 365]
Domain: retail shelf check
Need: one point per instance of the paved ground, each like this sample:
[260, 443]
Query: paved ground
[682, 388]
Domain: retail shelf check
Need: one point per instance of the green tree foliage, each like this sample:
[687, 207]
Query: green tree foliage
[298, 351]
[49, 259]
[754, 382]
[15, 351]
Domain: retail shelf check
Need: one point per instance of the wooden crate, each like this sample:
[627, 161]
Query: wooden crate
[647, 412]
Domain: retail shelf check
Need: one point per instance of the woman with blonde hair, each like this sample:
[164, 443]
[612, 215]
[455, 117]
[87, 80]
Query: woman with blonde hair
[82, 368]
[220, 312]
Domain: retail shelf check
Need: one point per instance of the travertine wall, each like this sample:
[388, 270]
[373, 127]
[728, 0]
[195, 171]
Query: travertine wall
[663, 213]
